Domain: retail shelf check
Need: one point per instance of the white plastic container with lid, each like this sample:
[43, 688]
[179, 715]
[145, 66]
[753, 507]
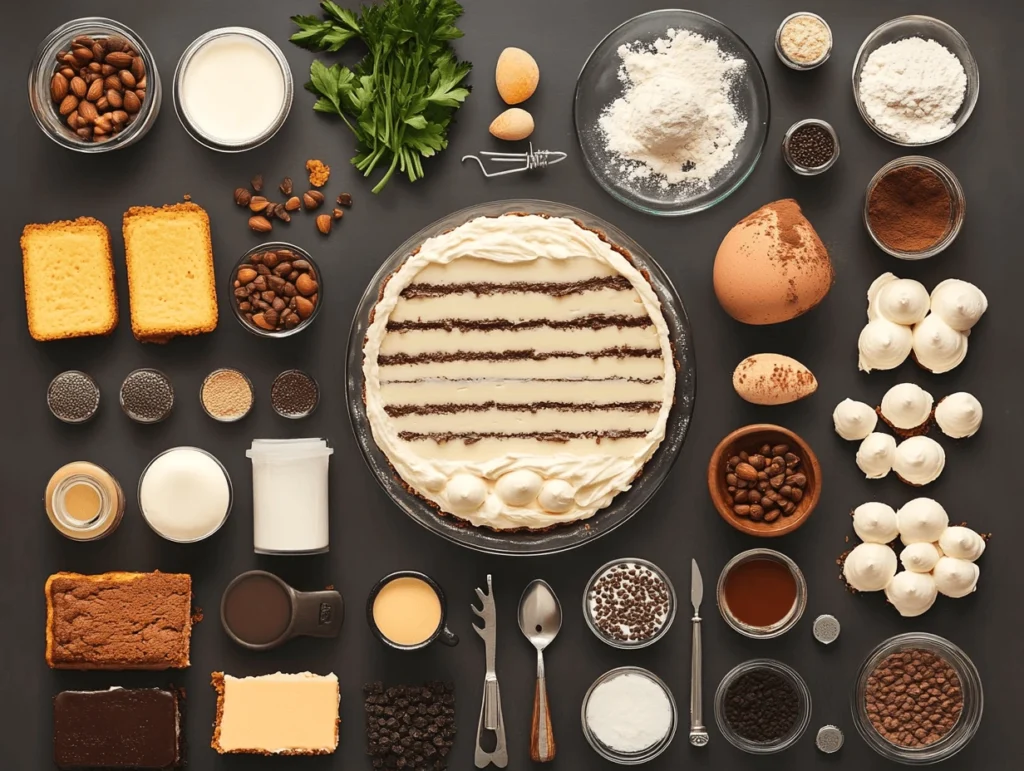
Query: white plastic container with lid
[289, 491]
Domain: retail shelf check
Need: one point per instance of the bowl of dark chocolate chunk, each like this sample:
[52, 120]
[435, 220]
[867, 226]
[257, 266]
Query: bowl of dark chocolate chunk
[276, 289]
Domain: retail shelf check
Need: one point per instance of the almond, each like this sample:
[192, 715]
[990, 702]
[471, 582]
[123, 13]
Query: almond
[88, 111]
[114, 99]
[323, 224]
[78, 87]
[138, 68]
[258, 203]
[95, 90]
[68, 105]
[303, 307]
[304, 283]
[118, 59]
[127, 78]
[131, 102]
[260, 224]
[770, 378]
[58, 87]
[512, 125]
[114, 82]
[516, 75]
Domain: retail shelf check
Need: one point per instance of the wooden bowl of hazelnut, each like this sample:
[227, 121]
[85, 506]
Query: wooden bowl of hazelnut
[764, 480]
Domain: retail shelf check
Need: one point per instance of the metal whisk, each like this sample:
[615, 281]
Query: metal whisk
[534, 159]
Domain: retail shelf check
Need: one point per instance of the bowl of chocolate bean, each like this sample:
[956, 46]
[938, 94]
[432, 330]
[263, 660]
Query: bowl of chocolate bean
[764, 480]
[276, 290]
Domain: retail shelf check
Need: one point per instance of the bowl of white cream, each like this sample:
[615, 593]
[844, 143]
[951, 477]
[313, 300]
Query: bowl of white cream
[233, 89]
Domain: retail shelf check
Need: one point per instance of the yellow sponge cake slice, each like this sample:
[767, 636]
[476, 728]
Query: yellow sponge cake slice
[171, 285]
[69, 279]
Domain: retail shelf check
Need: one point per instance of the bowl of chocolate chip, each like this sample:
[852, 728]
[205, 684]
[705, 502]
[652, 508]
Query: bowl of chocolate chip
[764, 480]
[276, 290]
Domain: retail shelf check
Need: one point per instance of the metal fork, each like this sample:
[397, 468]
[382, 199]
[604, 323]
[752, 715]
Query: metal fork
[491, 718]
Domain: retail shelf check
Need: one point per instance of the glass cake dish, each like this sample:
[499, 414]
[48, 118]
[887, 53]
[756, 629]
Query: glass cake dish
[592, 513]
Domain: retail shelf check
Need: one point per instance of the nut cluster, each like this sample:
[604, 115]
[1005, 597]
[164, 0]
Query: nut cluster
[277, 290]
[913, 698]
[99, 86]
[264, 211]
[765, 484]
[410, 727]
[629, 602]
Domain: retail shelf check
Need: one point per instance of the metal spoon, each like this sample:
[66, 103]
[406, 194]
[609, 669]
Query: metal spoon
[540, 618]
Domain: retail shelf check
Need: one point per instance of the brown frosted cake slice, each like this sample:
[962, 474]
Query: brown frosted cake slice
[118, 621]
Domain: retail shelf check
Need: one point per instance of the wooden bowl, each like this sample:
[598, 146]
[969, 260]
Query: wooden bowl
[750, 438]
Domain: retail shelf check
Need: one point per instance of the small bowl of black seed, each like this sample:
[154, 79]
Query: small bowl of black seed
[629, 603]
[147, 396]
[762, 706]
[810, 147]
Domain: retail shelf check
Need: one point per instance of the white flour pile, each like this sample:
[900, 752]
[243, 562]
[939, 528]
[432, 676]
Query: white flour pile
[912, 89]
[676, 122]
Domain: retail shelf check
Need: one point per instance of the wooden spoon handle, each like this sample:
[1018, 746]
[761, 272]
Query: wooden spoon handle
[542, 736]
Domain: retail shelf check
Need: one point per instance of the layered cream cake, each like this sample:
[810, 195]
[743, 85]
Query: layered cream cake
[518, 371]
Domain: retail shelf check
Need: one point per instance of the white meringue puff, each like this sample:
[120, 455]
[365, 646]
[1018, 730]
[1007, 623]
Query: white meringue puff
[920, 557]
[921, 520]
[912, 593]
[876, 454]
[919, 461]
[875, 523]
[959, 303]
[869, 567]
[959, 415]
[955, 577]
[900, 300]
[883, 345]
[465, 493]
[961, 543]
[937, 346]
[906, 406]
[854, 420]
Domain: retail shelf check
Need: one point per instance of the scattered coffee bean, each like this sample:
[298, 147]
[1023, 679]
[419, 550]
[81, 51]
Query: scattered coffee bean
[312, 199]
[410, 727]
[338, 214]
[629, 602]
[257, 183]
[276, 290]
[762, 706]
[286, 186]
[323, 223]
[765, 484]
[345, 199]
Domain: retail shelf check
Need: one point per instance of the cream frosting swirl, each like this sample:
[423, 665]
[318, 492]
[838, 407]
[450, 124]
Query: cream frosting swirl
[883, 345]
[922, 520]
[959, 303]
[854, 420]
[920, 557]
[912, 593]
[919, 460]
[875, 523]
[962, 543]
[869, 567]
[937, 346]
[906, 406]
[899, 300]
[875, 455]
[959, 415]
[955, 577]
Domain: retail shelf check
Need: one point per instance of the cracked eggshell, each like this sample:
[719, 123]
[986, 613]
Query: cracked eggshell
[771, 378]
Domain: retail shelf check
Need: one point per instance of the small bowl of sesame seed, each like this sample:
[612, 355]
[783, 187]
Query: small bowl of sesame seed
[629, 603]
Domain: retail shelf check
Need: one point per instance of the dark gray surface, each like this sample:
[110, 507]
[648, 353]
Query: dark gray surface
[369, 536]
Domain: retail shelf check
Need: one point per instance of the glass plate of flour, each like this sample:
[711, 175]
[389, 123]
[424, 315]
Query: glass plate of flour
[671, 112]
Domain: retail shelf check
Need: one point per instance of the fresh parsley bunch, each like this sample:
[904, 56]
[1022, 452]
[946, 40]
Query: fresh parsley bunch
[401, 97]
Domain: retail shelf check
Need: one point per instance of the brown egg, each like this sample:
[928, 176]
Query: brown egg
[771, 378]
[772, 266]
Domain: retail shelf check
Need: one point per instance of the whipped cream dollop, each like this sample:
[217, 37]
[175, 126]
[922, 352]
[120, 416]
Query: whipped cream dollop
[883, 344]
[854, 420]
[900, 300]
[912, 593]
[961, 543]
[919, 460]
[922, 520]
[959, 415]
[955, 577]
[920, 557]
[518, 488]
[958, 303]
[937, 346]
[869, 567]
[876, 454]
[906, 406]
[875, 522]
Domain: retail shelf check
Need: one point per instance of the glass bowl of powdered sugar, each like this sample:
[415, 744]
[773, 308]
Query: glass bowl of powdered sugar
[915, 81]
[671, 112]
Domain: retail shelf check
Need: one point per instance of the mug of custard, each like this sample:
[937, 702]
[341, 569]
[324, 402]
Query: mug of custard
[407, 611]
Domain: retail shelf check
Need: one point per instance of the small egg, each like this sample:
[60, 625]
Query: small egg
[512, 125]
[771, 378]
[516, 75]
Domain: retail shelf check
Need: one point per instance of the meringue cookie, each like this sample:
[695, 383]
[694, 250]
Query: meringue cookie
[556, 496]
[854, 420]
[959, 303]
[876, 454]
[919, 461]
[921, 520]
[883, 345]
[956, 578]
[906, 406]
[900, 300]
[920, 557]
[912, 593]
[518, 488]
[465, 493]
[875, 523]
[961, 543]
[937, 346]
[959, 415]
[869, 567]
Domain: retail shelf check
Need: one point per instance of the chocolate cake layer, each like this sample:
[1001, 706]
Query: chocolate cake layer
[399, 410]
[592, 321]
[624, 352]
[470, 437]
[553, 288]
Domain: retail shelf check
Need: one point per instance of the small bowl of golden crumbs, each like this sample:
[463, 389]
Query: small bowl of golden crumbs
[227, 395]
[803, 41]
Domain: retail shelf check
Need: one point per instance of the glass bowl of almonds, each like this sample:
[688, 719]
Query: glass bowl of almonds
[276, 289]
[93, 86]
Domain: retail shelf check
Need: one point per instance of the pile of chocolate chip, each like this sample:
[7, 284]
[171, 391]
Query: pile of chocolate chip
[629, 602]
[276, 290]
[766, 483]
[410, 727]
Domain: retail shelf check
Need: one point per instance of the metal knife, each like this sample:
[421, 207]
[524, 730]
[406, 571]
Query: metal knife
[491, 718]
[698, 733]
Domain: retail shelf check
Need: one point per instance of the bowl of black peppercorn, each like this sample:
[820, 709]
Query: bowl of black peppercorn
[762, 706]
[810, 147]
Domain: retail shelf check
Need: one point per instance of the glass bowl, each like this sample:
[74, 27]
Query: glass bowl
[762, 748]
[810, 171]
[273, 246]
[246, 380]
[629, 758]
[43, 68]
[630, 644]
[227, 478]
[780, 627]
[193, 129]
[563, 537]
[961, 733]
[598, 85]
[930, 29]
[957, 210]
[802, 66]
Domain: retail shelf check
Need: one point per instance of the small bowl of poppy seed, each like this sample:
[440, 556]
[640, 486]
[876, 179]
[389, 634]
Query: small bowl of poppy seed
[629, 603]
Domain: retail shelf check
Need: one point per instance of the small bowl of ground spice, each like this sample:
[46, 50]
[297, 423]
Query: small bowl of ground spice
[762, 706]
[810, 147]
[932, 718]
[226, 395]
[914, 207]
[629, 603]
[761, 593]
[803, 41]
